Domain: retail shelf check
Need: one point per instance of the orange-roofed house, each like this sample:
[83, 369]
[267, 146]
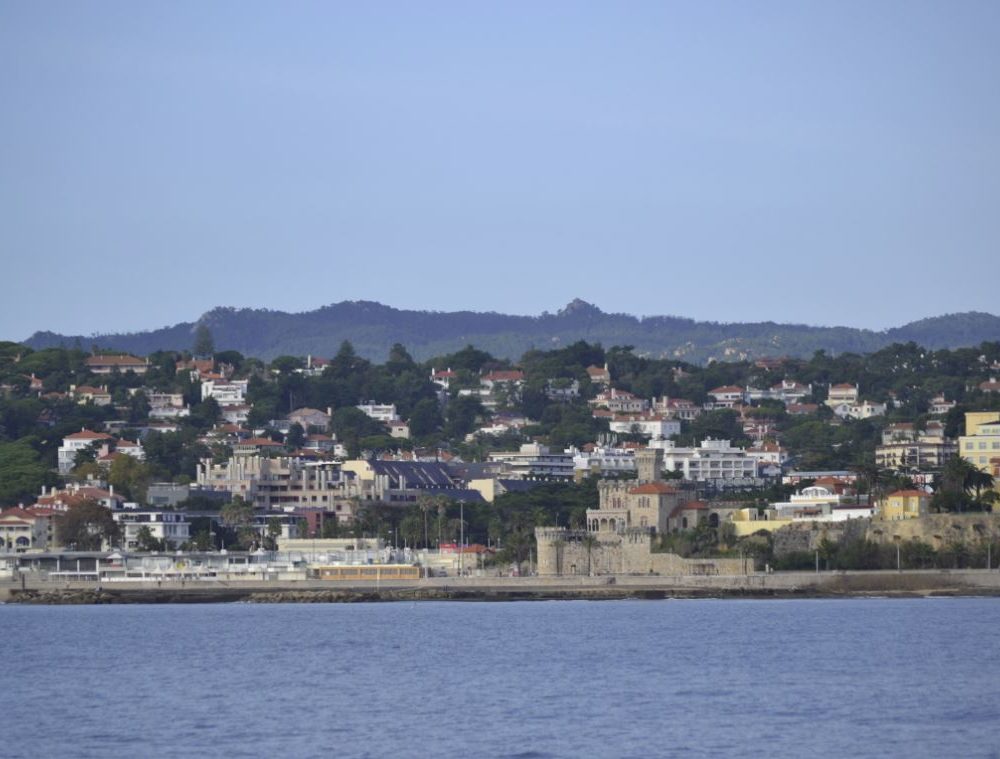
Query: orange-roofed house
[508, 377]
[726, 396]
[21, 530]
[443, 378]
[644, 503]
[79, 441]
[599, 375]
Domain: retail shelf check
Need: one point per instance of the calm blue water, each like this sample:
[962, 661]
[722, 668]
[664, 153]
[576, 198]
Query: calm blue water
[547, 679]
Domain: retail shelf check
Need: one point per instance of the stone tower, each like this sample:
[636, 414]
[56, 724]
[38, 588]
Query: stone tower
[649, 464]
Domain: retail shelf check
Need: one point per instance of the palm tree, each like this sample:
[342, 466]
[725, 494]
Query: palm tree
[589, 541]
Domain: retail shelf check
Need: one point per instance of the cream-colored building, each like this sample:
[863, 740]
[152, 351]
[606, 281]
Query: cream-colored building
[282, 482]
[980, 445]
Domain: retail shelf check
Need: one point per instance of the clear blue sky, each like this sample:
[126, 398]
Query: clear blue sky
[829, 163]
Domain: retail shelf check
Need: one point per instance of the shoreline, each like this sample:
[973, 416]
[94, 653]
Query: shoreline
[790, 585]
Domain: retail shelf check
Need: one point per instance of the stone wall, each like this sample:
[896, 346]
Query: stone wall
[938, 530]
[563, 552]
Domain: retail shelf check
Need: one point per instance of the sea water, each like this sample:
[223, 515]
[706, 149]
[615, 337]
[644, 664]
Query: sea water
[864, 677]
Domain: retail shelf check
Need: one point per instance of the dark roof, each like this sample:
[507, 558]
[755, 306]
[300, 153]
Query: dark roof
[464, 496]
[475, 470]
[519, 486]
[416, 474]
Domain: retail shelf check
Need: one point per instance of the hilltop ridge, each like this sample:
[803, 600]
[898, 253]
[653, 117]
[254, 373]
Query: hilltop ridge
[373, 327]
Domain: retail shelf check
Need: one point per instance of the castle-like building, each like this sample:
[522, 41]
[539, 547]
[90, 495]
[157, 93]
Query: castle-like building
[621, 531]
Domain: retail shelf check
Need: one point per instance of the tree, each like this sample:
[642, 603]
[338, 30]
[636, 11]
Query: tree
[273, 533]
[205, 414]
[130, 476]
[425, 419]
[962, 486]
[589, 542]
[350, 425]
[146, 541]
[296, 437]
[237, 513]
[410, 529]
[204, 344]
[86, 526]
[331, 527]
[87, 455]
[22, 473]
[237, 516]
[462, 414]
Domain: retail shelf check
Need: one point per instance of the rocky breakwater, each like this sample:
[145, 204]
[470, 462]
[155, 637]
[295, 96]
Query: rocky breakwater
[62, 596]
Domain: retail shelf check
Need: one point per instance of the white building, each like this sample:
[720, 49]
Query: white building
[821, 504]
[172, 527]
[382, 412]
[843, 393]
[534, 461]
[225, 392]
[79, 441]
[650, 425]
[619, 401]
[677, 408]
[939, 405]
[167, 406]
[858, 410]
[768, 455]
[726, 396]
[603, 460]
[711, 460]
[787, 391]
[562, 390]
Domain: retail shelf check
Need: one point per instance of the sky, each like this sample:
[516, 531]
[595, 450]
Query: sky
[821, 163]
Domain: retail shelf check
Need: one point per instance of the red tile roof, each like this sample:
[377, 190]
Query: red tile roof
[653, 488]
[88, 435]
[505, 376]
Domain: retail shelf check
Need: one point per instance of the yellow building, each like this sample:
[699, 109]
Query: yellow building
[904, 504]
[748, 521]
[980, 445]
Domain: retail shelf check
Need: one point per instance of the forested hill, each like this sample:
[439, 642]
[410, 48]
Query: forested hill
[372, 328]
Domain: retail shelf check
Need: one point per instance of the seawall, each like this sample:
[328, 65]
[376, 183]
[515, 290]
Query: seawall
[777, 585]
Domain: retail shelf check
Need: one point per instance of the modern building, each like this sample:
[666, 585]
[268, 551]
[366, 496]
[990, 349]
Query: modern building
[170, 527]
[225, 392]
[712, 460]
[112, 364]
[380, 412]
[648, 425]
[534, 461]
[282, 482]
